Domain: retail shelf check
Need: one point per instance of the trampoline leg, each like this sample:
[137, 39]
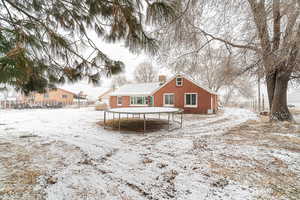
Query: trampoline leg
[104, 119]
[113, 120]
[168, 121]
[181, 120]
[144, 123]
[119, 122]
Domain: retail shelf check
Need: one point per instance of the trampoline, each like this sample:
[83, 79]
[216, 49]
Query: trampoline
[144, 111]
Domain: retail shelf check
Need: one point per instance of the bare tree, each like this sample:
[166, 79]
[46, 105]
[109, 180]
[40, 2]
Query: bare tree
[216, 70]
[213, 68]
[263, 33]
[145, 73]
[118, 81]
[229, 93]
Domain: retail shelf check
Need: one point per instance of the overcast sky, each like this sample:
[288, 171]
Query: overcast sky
[116, 52]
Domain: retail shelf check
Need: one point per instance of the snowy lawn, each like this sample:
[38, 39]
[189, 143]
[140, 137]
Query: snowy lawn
[63, 154]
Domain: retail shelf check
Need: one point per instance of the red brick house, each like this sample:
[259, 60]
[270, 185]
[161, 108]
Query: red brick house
[179, 92]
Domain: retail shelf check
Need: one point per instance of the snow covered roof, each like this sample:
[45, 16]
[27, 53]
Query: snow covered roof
[106, 93]
[144, 89]
[201, 86]
[189, 79]
[148, 89]
[73, 93]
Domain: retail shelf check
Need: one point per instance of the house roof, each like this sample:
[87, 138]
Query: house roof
[65, 91]
[106, 93]
[54, 89]
[194, 82]
[148, 89]
[143, 89]
[199, 85]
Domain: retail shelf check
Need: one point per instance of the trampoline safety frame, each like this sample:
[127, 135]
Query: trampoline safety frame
[139, 111]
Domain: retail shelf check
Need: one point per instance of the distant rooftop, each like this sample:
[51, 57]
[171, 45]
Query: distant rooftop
[106, 93]
[143, 89]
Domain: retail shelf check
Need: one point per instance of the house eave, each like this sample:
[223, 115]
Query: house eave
[135, 94]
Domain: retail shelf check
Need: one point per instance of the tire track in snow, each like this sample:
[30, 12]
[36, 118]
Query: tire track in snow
[211, 126]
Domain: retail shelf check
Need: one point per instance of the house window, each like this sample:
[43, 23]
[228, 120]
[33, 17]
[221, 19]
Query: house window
[46, 95]
[190, 100]
[141, 100]
[119, 101]
[179, 81]
[168, 99]
[138, 100]
[64, 96]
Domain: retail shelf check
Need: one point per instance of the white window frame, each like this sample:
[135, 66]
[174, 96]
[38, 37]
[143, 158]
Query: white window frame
[164, 103]
[190, 106]
[119, 104]
[138, 104]
[180, 81]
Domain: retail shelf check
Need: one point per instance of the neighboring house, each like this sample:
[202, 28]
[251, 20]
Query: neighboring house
[179, 92]
[52, 96]
[81, 95]
[104, 97]
[9, 98]
[80, 98]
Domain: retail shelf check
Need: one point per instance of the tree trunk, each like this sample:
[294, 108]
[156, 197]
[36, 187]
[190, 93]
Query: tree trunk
[279, 110]
[271, 82]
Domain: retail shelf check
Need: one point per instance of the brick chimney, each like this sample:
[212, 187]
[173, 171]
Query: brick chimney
[162, 79]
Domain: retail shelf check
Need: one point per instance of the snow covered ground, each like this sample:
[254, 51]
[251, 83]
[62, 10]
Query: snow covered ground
[74, 158]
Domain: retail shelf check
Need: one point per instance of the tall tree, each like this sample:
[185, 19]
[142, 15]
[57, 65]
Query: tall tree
[267, 30]
[145, 73]
[216, 70]
[118, 81]
[43, 43]
[213, 68]
[279, 49]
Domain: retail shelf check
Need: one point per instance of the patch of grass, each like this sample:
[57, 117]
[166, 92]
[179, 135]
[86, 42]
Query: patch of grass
[135, 124]
[27, 176]
[295, 111]
[10, 190]
[200, 144]
[273, 171]
[288, 191]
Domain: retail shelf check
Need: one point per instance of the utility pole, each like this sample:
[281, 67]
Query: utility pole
[78, 99]
[263, 102]
[259, 101]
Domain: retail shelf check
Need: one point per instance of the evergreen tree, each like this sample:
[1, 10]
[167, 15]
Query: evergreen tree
[43, 42]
